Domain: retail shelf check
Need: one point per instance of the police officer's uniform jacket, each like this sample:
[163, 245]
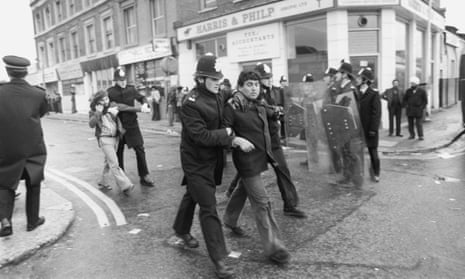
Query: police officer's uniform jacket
[203, 137]
[128, 119]
[22, 146]
[249, 119]
[268, 94]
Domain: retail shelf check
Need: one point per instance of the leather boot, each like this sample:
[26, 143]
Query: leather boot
[6, 229]
[222, 270]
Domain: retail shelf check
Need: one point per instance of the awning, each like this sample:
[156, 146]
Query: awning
[110, 61]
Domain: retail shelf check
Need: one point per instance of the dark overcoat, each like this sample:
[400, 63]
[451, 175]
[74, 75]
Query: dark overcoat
[370, 116]
[390, 94]
[250, 121]
[203, 137]
[127, 96]
[22, 146]
[415, 100]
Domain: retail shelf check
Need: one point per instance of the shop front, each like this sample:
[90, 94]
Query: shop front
[72, 88]
[98, 74]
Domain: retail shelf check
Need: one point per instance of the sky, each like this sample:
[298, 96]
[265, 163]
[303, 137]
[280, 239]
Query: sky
[17, 31]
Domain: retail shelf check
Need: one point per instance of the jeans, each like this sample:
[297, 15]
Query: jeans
[254, 189]
[111, 166]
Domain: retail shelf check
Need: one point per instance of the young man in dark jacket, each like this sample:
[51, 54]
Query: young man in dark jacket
[394, 97]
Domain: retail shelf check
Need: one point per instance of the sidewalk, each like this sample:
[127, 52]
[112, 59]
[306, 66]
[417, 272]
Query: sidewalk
[59, 215]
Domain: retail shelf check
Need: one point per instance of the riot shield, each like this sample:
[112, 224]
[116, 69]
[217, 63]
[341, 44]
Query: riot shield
[328, 124]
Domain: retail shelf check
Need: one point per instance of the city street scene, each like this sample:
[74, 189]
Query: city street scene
[232, 139]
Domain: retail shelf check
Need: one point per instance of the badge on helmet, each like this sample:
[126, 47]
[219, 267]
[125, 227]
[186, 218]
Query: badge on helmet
[206, 67]
[263, 70]
[366, 74]
[119, 74]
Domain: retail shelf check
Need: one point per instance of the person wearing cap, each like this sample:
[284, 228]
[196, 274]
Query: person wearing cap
[370, 117]
[394, 97]
[283, 82]
[415, 101]
[203, 138]
[22, 149]
[249, 118]
[283, 175]
[124, 96]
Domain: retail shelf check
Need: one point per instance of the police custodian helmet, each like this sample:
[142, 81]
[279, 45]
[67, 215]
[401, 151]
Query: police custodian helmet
[119, 74]
[206, 67]
[263, 70]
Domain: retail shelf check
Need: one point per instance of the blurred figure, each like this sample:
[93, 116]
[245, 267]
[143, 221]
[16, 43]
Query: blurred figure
[171, 103]
[73, 99]
[394, 97]
[22, 149]
[155, 95]
[415, 100]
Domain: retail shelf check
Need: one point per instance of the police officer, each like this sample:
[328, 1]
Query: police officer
[370, 117]
[22, 149]
[202, 143]
[283, 175]
[124, 96]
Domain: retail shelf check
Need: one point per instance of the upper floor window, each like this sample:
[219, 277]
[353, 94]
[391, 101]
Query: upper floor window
[207, 4]
[74, 44]
[91, 44]
[130, 26]
[59, 11]
[61, 49]
[87, 3]
[72, 7]
[48, 17]
[50, 53]
[107, 24]
[42, 61]
[38, 21]
[157, 8]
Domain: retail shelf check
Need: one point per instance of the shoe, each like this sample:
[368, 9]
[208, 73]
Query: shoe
[17, 195]
[411, 137]
[376, 178]
[189, 240]
[304, 163]
[343, 181]
[421, 138]
[222, 270]
[40, 221]
[294, 212]
[399, 135]
[237, 231]
[390, 134]
[146, 181]
[128, 190]
[6, 229]
[104, 187]
[280, 257]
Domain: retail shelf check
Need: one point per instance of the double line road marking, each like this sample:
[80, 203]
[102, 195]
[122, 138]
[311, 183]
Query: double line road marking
[102, 219]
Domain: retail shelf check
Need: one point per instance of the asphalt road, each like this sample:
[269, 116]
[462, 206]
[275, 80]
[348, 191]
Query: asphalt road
[410, 225]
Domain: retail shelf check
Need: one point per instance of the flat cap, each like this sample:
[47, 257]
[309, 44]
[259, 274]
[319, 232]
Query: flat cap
[16, 62]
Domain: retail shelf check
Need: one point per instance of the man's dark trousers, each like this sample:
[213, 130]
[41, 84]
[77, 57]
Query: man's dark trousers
[415, 122]
[142, 168]
[285, 184]
[395, 112]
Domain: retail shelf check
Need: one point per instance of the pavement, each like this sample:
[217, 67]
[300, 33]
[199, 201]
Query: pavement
[441, 130]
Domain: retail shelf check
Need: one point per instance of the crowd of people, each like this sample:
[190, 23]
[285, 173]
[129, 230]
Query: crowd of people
[246, 118]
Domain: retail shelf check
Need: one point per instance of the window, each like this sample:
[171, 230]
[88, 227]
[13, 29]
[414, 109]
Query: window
[107, 24]
[419, 41]
[42, 61]
[91, 44]
[363, 33]
[87, 3]
[401, 53]
[216, 46]
[50, 53]
[48, 17]
[207, 4]
[74, 44]
[307, 49]
[61, 49]
[130, 26]
[38, 21]
[58, 11]
[157, 8]
[72, 7]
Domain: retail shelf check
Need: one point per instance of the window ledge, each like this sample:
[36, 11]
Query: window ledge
[207, 10]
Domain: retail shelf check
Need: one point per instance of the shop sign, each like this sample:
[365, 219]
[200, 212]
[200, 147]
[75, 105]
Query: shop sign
[424, 11]
[143, 53]
[261, 42]
[69, 71]
[452, 39]
[253, 16]
[50, 75]
[367, 2]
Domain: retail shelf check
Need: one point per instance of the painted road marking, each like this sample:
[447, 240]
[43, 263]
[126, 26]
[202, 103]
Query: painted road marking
[98, 211]
[114, 209]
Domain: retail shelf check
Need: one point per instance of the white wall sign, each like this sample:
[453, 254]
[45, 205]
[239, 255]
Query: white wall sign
[50, 75]
[367, 2]
[252, 16]
[255, 43]
[143, 53]
[424, 11]
[452, 39]
[70, 71]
